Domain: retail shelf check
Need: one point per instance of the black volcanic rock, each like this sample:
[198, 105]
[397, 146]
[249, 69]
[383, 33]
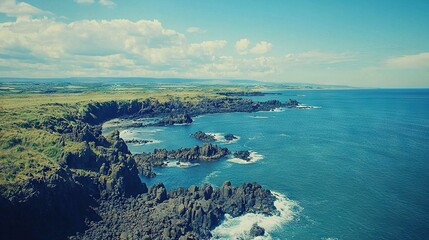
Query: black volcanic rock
[137, 141]
[256, 231]
[206, 152]
[229, 137]
[200, 135]
[245, 155]
[291, 103]
[183, 213]
[175, 119]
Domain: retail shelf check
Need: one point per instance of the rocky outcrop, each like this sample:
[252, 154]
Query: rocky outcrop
[137, 141]
[229, 137]
[183, 213]
[244, 155]
[256, 231]
[174, 119]
[173, 111]
[291, 103]
[200, 135]
[49, 208]
[206, 152]
[146, 161]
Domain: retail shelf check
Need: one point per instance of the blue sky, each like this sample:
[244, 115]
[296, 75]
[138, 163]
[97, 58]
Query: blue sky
[358, 43]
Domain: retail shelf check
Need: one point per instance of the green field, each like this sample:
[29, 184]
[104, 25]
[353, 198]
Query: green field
[27, 151]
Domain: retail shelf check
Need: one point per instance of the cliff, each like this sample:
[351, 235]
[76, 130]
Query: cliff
[96, 177]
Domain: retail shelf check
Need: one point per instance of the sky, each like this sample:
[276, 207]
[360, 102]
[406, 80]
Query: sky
[366, 43]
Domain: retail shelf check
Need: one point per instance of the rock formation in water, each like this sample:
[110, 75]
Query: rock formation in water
[184, 213]
[200, 135]
[244, 155]
[229, 137]
[206, 152]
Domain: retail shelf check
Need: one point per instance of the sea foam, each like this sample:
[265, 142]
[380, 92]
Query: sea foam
[239, 227]
[220, 137]
[181, 164]
[254, 157]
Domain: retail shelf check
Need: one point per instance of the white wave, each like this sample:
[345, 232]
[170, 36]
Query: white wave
[303, 106]
[153, 141]
[254, 157]
[181, 164]
[127, 134]
[277, 110]
[259, 117]
[143, 130]
[211, 176]
[220, 137]
[239, 227]
[283, 135]
[181, 124]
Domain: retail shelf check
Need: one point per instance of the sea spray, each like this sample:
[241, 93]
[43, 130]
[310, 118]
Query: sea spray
[239, 227]
[254, 157]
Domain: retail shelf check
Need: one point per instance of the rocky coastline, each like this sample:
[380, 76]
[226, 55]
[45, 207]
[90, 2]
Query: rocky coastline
[96, 192]
[159, 158]
[247, 94]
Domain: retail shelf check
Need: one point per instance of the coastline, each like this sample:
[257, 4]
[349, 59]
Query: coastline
[102, 170]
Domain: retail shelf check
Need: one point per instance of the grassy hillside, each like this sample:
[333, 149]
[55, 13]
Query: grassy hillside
[30, 152]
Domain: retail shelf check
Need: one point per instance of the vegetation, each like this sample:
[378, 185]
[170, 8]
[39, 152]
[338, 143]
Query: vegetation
[27, 151]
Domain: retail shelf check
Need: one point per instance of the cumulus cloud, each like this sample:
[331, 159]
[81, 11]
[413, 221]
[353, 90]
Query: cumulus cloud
[195, 30]
[416, 61]
[261, 48]
[242, 47]
[13, 9]
[51, 48]
[134, 47]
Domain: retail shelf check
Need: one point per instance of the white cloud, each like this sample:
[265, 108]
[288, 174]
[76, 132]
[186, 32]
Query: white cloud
[416, 61]
[242, 47]
[261, 48]
[13, 9]
[84, 1]
[52, 48]
[107, 3]
[195, 30]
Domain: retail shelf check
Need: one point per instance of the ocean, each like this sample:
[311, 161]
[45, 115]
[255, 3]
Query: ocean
[356, 166]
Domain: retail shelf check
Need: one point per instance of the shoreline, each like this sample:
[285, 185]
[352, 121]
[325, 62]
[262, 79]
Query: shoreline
[97, 169]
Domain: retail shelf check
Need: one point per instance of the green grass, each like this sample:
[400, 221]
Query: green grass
[28, 152]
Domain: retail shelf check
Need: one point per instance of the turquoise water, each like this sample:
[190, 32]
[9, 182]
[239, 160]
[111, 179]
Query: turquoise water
[357, 167]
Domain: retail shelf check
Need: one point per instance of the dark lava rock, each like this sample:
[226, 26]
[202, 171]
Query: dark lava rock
[291, 103]
[245, 155]
[175, 119]
[200, 135]
[183, 213]
[257, 231]
[229, 137]
[137, 141]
